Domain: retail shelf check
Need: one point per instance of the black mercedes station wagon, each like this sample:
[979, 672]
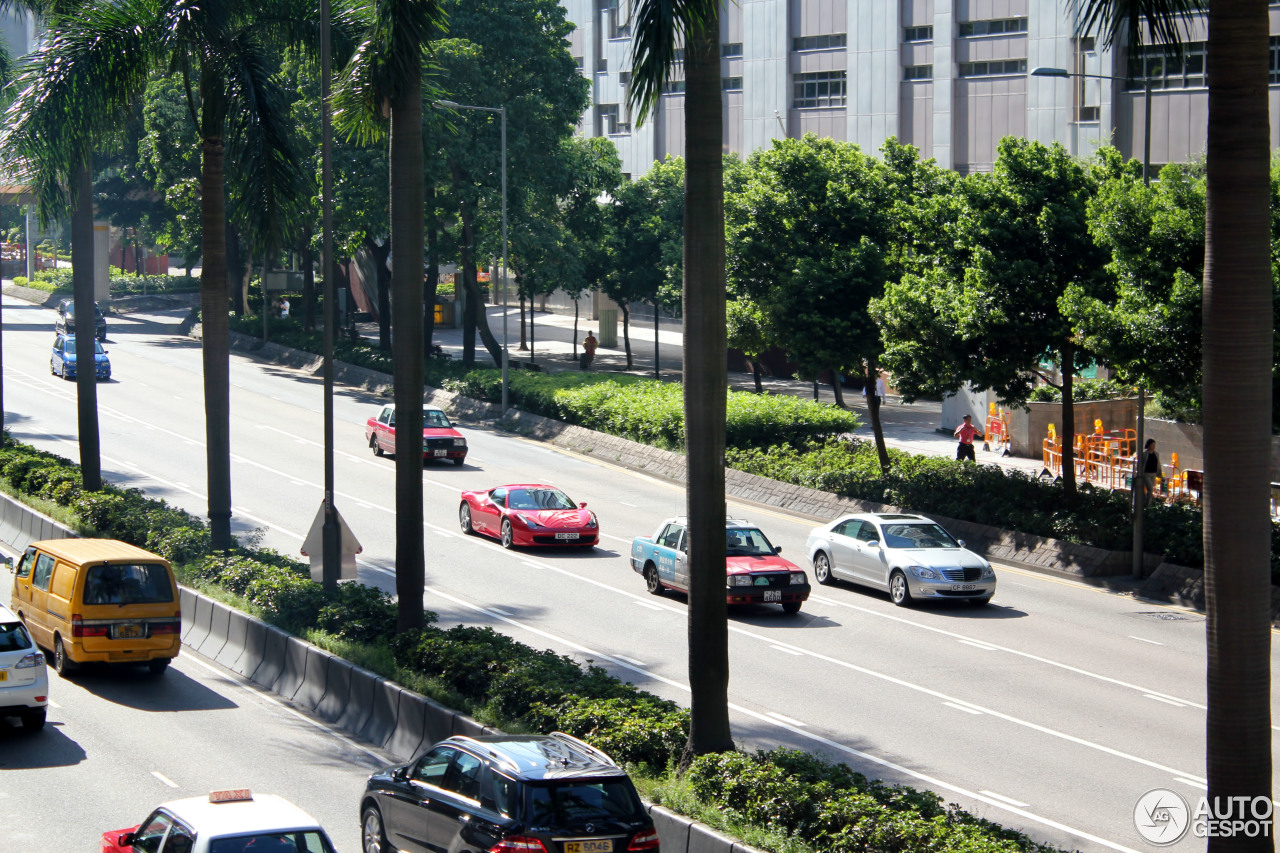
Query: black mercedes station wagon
[506, 794]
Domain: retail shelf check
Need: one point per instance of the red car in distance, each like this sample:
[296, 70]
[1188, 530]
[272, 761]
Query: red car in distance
[528, 514]
[439, 439]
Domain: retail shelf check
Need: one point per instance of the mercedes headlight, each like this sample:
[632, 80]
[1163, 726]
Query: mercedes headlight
[924, 573]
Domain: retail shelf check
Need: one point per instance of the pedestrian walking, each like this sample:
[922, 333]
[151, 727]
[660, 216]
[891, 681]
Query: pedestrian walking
[880, 389]
[1150, 470]
[284, 308]
[965, 433]
[589, 345]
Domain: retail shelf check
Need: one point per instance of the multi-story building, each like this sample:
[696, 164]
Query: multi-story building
[951, 77]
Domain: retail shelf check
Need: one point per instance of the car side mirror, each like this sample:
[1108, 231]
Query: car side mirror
[582, 505]
[960, 542]
[777, 549]
[125, 839]
[6, 561]
[874, 543]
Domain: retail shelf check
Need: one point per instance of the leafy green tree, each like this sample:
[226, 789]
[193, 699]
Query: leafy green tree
[748, 331]
[808, 242]
[595, 172]
[660, 27]
[385, 77]
[646, 241]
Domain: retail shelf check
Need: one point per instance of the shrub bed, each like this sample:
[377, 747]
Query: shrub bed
[788, 795]
[121, 283]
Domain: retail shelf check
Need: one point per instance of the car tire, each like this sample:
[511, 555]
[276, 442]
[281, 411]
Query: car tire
[651, 581]
[464, 519]
[508, 534]
[374, 446]
[33, 721]
[822, 568]
[979, 602]
[790, 607]
[373, 837]
[157, 666]
[459, 462]
[62, 664]
[899, 590]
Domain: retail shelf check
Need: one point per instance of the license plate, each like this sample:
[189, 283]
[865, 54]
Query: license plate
[964, 587]
[602, 846]
[4, 676]
[128, 632]
[575, 536]
[441, 452]
[773, 595]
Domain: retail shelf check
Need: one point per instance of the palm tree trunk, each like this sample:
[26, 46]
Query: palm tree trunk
[407, 222]
[86, 368]
[836, 390]
[215, 328]
[705, 389]
[1238, 346]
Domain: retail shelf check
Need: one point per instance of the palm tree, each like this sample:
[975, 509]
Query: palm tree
[1238, 351]
[660, 26]
[386, 78]
[92, 66]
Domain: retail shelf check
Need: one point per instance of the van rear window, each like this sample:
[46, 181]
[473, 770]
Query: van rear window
[113, 583]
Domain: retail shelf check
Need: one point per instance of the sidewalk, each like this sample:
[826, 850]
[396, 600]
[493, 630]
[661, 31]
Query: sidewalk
[913, 427]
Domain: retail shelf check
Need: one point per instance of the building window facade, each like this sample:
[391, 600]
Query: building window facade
[731, 51]
[607, 123]
[993, 68]
[731, 84]
[616, 26]
[818, 89]
[827, 42]
[996, 27]
[1165, 70]
[1273, 61]
[673, 87]
[917, 72]
[917, 34]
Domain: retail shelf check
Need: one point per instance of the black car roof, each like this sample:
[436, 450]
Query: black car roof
[541, 757]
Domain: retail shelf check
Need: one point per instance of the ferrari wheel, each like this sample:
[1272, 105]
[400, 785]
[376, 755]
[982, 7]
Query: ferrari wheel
[508, 535]
[464, 519]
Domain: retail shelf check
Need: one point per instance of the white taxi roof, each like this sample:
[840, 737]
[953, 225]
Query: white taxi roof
[264, 813]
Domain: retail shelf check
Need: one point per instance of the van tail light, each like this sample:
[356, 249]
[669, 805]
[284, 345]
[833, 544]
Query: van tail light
[79, 629]
[644, 840]
[166, 626]
[519, 844]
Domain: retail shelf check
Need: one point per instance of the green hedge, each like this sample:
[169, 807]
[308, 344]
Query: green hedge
[794, 796]
[121, 283]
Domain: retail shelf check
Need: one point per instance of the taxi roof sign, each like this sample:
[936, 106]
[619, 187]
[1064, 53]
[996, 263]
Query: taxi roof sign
[235, 795]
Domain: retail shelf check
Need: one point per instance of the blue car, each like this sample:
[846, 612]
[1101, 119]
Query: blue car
[63, 361]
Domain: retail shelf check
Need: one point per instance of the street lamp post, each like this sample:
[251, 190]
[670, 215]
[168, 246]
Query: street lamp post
[1138, 503]
[502, 113]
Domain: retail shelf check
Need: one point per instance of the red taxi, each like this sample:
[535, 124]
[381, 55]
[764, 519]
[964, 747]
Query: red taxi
[439, 438]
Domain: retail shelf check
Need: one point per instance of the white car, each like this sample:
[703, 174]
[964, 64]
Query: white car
[908, 556]
[24, 679]
[235, 821]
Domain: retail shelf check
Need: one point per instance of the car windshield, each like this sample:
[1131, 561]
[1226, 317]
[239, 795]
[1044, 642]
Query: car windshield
[14, 637]
[309, 841]
[536, 499]
[144, 583]
[748, 542]
[71, 347]
[574, 802]
[919, 535]
[434, 419]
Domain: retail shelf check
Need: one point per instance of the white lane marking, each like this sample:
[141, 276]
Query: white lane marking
[292, 435]
[820, 600]
[499, 611]
[1145, 640]
[227, 675]
[1193, 783]
[978, 645]
[631, 661]
[931, 781]
[964, 708]
[1005, 799]
[181, 484]
[1164, 700]
[790, 722]
[791, 651]
[624, 503]
[53, 704]
[163, 778]
[244, 510]
[531, 564]
[364, 505]
[622, 539]
[648, 605]
[448, 534]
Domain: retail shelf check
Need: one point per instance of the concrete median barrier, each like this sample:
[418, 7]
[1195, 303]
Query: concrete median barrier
[411, 716]
[219, 622]
[294, 669]
[704, 839]
[464, 725]
[237, 631]
[384, 712]
[673, 829]
[360, 697]
[268, 672]
[337, 693]
[187, 603]
[315, 679]
[255, 649]
[199, 630]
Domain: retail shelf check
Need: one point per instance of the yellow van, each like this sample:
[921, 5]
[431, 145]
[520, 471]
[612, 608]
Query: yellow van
[98, 600]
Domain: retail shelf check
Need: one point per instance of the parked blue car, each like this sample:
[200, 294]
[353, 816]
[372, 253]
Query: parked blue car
[63, 361]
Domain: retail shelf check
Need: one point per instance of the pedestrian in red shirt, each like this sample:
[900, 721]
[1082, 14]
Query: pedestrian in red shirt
[589, 350]
[966, 432]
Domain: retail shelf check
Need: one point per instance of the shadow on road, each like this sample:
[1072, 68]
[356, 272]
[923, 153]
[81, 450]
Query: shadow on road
[135, 687]
[23, 750]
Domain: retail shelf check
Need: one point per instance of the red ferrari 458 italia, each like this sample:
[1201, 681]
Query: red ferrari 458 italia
[528, 514]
